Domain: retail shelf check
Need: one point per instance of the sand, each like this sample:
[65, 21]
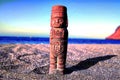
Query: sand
[84, 62]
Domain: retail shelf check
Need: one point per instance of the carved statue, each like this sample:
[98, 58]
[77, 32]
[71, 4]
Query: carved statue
[58, 39]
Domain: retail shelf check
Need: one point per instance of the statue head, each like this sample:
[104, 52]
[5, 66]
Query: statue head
[59, 17]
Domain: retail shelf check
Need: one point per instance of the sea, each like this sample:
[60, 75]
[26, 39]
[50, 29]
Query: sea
[45, 40]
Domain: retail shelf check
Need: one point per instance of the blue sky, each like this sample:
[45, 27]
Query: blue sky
[87, 18]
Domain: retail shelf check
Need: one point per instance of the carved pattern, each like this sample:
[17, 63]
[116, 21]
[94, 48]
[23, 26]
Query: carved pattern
[58, 38]
[59, 33]
[57, 14]
[58, 46]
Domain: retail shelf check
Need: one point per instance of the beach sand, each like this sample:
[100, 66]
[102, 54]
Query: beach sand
[84, 62]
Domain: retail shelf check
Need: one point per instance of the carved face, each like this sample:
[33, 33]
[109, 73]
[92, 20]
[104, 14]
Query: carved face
[58, 47]
[57, 22]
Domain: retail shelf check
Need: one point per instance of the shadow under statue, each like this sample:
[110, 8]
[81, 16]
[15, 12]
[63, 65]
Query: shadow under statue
[87, 63]
[82, 65]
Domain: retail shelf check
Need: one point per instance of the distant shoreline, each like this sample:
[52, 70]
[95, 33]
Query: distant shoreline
[45, 40]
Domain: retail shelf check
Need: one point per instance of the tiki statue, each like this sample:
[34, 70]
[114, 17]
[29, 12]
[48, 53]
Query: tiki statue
[58, 39]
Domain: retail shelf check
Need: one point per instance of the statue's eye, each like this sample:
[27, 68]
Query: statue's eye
[57, 20]
[60, 20]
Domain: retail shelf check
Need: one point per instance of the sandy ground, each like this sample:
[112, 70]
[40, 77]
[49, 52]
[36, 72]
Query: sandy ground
[84, 62]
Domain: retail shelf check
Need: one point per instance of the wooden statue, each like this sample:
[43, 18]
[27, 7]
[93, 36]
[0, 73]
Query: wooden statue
[58, 39]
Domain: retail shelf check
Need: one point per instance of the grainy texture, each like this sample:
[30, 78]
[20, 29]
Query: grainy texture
[84, 62]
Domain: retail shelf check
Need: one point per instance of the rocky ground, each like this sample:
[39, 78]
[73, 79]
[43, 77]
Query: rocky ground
[84, 62]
